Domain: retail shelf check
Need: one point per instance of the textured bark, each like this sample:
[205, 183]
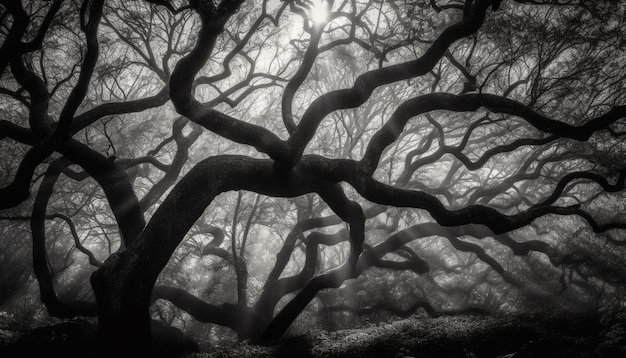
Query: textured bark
[123, 296]
[219, 174]
[124, 283]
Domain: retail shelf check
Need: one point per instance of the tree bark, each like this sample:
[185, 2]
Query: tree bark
[124, 283]
[123, 296]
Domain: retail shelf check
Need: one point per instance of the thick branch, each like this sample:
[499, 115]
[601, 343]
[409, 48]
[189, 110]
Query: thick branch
[11, 45]
[471, 102]
[296, 81]
[18, 190]
[367, 82]
[558, 190]
[116, 186]
[85, 119]
[230, 316]
[181, 91]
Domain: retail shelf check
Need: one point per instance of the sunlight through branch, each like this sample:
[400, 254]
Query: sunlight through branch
[319, 11]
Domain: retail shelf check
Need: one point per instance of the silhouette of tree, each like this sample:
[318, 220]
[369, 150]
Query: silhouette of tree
[258, 153]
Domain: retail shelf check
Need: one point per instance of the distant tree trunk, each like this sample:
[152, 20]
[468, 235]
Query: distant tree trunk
[238, 260]
[242, 282]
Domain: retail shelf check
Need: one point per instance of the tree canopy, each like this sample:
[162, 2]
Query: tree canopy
[264, 164]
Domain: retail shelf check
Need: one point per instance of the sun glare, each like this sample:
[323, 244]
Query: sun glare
[319, 11]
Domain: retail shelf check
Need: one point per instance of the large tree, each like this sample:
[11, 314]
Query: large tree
[468, 147]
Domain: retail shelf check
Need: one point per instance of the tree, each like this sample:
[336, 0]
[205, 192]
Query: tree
[468, 147]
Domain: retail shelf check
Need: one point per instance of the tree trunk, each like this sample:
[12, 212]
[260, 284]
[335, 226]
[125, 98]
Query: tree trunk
[123, 306]
[124, 283]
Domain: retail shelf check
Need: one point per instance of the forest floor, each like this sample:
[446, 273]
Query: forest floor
[464, 336]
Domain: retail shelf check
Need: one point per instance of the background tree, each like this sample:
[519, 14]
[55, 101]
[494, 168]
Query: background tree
[236, 160]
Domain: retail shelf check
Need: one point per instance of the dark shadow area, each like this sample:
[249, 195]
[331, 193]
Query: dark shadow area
[80, 339]
[524, 335]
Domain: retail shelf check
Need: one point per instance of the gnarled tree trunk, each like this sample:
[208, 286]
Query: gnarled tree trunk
[123, 297]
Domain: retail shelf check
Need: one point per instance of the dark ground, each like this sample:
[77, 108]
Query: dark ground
[528, 335]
